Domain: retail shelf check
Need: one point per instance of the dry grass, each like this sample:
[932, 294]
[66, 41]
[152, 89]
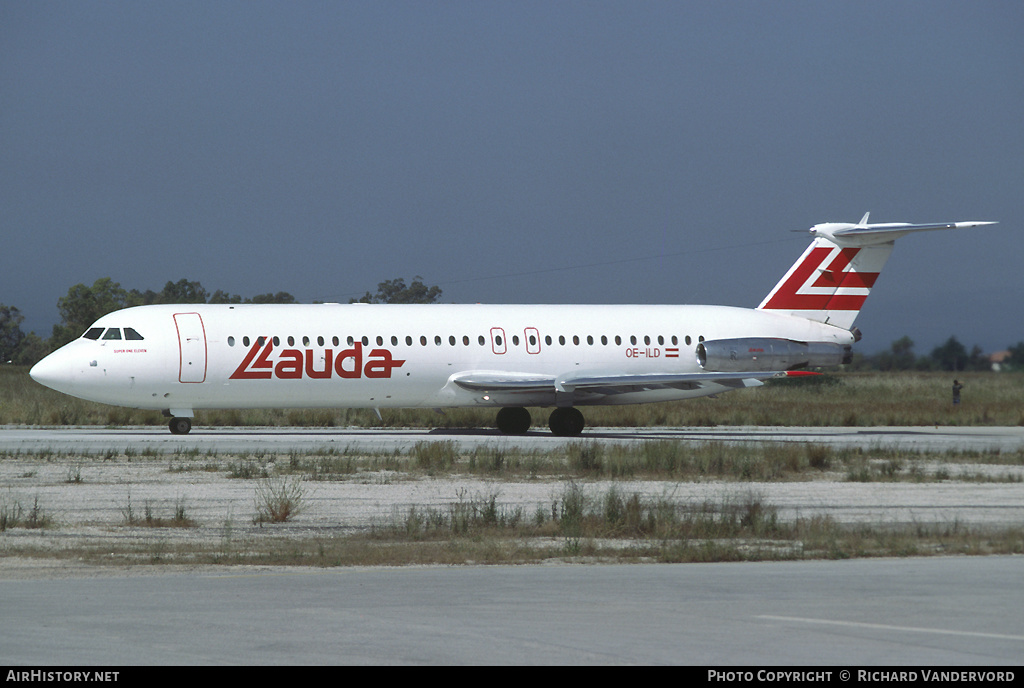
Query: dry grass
[582, 526]
[840, 399]
[581, 522]
[671, 460]
[668, 460]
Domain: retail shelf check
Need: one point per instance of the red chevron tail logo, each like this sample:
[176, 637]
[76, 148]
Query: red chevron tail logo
[823, 281]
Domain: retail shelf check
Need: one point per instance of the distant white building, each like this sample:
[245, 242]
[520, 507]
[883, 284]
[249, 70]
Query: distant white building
[998, 359]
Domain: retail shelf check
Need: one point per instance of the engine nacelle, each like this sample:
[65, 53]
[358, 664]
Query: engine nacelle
[756, 355]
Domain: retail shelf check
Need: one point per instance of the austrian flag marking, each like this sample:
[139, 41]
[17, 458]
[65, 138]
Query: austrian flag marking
[824, 280]
[262, 363]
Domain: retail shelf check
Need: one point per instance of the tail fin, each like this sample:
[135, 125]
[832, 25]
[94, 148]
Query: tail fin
[833, 277]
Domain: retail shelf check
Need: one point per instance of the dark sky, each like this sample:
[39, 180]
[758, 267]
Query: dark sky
[537, 152]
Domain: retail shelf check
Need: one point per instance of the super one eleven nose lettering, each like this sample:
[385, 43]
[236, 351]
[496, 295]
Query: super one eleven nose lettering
[263, 363]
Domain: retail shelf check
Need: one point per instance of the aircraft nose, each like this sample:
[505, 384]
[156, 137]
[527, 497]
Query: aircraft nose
[54, 371]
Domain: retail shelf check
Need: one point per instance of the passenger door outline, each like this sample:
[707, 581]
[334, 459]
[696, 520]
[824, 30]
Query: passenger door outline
[191, 347]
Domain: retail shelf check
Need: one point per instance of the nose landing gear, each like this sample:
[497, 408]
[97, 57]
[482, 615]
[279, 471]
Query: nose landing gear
[180, 426]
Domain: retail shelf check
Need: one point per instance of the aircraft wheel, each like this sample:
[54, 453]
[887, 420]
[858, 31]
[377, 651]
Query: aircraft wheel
[513, 420]
[180, 426]
[566, 422]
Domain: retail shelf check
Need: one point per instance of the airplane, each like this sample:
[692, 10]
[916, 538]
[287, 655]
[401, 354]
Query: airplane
[180, 358]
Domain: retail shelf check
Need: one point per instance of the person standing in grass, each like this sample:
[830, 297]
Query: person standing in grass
[956, 392]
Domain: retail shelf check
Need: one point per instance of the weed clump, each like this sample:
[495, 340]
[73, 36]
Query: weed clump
[432, 456]
[14, 515]
[278, 499]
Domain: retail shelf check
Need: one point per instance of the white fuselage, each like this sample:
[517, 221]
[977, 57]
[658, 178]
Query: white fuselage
[380, 356]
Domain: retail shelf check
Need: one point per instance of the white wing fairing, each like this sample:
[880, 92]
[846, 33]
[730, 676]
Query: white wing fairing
[181, 358]
[604, 388]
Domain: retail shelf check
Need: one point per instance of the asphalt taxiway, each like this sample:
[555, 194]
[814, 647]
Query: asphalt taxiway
[924, 612]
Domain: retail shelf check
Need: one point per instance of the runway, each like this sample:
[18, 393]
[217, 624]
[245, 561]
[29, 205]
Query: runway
[159, 440]
[931, 612]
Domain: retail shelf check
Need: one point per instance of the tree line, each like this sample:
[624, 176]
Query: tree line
[949, 356]
[84, 304]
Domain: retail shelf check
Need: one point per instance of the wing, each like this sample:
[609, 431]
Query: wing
[604, 383]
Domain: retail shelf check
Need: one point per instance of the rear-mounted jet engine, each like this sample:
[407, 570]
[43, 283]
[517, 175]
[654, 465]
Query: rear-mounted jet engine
[759, 355]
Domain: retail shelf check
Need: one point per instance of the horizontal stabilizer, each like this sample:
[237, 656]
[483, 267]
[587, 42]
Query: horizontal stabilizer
[845, 234]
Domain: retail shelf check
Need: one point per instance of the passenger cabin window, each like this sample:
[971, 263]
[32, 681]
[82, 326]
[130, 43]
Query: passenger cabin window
[93, 333]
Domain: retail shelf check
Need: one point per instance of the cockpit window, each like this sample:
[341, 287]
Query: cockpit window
[112, 333]
[93, 333]
[130, 333]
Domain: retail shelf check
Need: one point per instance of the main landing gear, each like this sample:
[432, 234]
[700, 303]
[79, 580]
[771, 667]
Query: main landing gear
[180, 426]
[513, 420]
[564, 422]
